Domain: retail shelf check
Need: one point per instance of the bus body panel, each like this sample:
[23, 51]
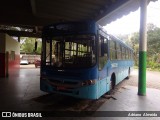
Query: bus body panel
[90, 82]
[93, 91]
[103, 86]
[71, 83]
[120, 68]
[75, 74]
[86, 92]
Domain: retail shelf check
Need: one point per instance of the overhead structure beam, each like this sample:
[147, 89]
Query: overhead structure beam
[33, 7]
[21, 33]
[115, 10]
[39, 13]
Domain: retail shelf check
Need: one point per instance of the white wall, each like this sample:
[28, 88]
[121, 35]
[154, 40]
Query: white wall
[12, 45]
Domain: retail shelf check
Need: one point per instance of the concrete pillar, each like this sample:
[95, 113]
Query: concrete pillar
[142, 48]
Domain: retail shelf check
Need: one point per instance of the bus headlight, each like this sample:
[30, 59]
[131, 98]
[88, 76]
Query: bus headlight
[43, 78]
[88, 82]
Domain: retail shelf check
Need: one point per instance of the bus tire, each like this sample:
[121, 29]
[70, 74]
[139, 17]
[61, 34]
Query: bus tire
[112, 83]
[128, 74]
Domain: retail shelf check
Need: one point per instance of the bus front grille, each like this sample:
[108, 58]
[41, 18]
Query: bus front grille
[65, 83]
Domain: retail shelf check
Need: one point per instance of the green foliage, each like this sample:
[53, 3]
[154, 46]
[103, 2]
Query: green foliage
[151, 65]
[153, 46]
[28, 45]
[153, 54]
[39, 46]
[153, 43]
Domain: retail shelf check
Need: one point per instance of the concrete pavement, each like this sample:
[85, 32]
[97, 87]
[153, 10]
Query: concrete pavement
[21, 93]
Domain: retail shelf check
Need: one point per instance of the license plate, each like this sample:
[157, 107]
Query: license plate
[61, 88]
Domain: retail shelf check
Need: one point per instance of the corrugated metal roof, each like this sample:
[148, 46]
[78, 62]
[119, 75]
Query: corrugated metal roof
[125, 9]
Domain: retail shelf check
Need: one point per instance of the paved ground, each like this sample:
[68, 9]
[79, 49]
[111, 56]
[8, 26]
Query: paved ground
[152, 79]
[30, 66]
[21, 92]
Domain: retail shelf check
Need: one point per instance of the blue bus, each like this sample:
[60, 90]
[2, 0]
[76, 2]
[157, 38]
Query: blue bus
[80, 59]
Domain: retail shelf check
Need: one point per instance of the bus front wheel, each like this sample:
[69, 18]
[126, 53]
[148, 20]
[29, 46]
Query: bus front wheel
[112, 83]
[128, 74]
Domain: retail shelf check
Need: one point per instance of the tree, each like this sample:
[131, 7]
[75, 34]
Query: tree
[39, 46]
[153, 46]
[28, 45]
[134, 42]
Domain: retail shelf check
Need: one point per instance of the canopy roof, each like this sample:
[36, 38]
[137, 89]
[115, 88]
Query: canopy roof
[33, 14]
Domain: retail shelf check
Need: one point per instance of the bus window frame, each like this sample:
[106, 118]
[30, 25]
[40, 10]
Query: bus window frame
[101, 48]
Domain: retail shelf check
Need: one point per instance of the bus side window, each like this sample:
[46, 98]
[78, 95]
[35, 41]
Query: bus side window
[118, 49]
[113, 52]
[105, 46]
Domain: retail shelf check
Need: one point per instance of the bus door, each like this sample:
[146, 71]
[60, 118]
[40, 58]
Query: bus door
[103, 65]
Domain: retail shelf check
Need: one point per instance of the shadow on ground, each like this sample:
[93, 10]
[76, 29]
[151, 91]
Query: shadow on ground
[56, 102]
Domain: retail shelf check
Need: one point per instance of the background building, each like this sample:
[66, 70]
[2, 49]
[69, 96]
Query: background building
[9, 55]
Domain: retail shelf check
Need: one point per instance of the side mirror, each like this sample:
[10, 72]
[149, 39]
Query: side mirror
[102, 49]
[35, 46]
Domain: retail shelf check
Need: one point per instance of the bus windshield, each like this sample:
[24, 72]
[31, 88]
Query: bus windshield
[71, 51]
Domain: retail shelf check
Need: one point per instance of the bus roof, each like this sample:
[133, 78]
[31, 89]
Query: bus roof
[67, 28]
[81, 27]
